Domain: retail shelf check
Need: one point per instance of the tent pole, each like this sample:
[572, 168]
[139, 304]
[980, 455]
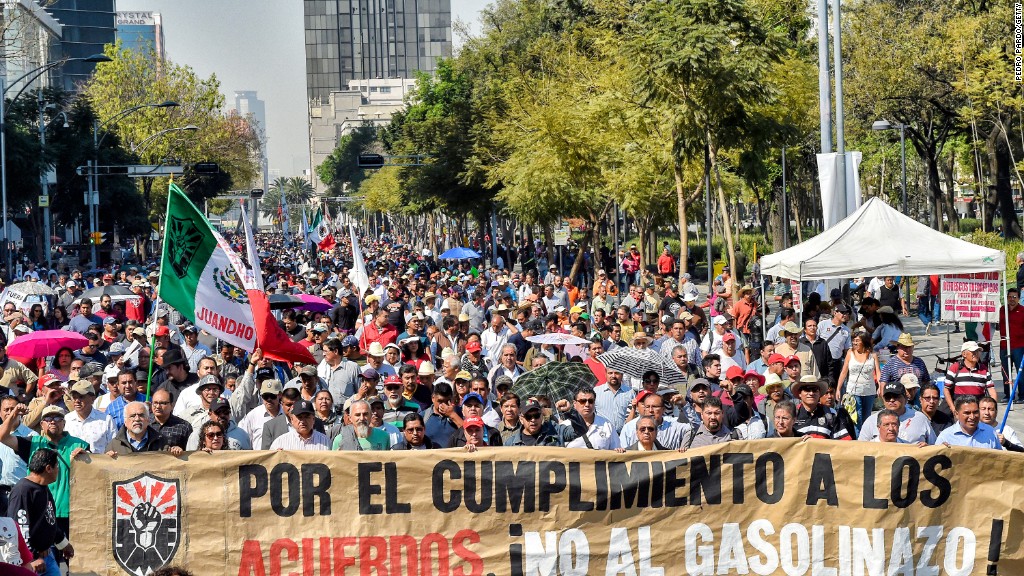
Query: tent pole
[1009, 348]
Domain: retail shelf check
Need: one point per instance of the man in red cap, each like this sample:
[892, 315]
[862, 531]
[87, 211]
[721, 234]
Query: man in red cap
[473, 431]
[730, 354]
[473, 360]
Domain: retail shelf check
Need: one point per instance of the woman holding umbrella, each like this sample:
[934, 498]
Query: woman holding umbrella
[61, 365]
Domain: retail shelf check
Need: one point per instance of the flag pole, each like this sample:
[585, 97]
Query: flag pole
[156, 303]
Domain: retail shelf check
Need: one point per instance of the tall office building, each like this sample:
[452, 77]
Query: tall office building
[87, 26]
[30, 40]
[142, 32]
[246, 105]
[367, 39]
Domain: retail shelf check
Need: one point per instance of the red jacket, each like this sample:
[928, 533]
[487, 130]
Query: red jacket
[371, 333]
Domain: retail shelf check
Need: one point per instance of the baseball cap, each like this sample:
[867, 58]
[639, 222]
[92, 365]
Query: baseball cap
[472, 396]
[734, 372]
[161, 331]
[776, 357]
[209, 380]
[473, 422]
[464, 375]
[894, 388]
[473, 347]
[319, 327]
[83, 387]
[49, 380]
[190, 328]
[392, 380]
[369, 373]
[843, 309]
[969, 346]
[218, 404]
[52, 410]
[729, 337]
[109, 320]
[111, 372]
[308, 370]
[530, 406]
[698, 382]
[349, 341]
[270, 386]
[140, 331]
[909, 381]
[741, 390]
[719, 320]
[793, 358]
[302, 407]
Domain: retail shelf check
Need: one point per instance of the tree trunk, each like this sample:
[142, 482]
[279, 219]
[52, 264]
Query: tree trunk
[684, 240]
[795, 201]
[713, 152]
[950, 196]
[1000, 170]
[775, 220]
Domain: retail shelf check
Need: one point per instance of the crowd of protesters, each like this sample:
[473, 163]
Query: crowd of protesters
[429, 355]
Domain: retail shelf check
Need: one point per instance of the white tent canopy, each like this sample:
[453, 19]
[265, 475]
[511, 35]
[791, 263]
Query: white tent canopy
[876, 240]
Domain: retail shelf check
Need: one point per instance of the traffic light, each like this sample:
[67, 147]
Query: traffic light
[371, 161]
[96, 238]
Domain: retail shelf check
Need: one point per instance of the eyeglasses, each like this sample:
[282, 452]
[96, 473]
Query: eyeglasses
[586, 401]
[392, 387]
[413, 430]
[646, 429]
[53, 419]
[655, 380]
[531, 416]
[212, 435]
[161, 403]
[929, 398]
[269, 397]
[891, 397]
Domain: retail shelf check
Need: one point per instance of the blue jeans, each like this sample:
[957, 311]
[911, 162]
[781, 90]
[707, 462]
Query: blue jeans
[865, 404]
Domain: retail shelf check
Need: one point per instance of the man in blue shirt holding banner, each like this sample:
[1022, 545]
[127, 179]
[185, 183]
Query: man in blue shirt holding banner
[969, 430]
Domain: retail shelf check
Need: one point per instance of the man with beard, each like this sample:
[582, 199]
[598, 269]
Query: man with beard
[303, 435]
[360, 435]
[536, 430]
[712, 428]
[137, 435]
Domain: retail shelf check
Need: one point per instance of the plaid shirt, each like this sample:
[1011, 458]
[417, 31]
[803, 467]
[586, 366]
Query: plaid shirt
[175, 431]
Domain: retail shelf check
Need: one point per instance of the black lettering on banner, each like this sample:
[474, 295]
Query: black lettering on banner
[437, 486]
[778, 477]
[316, 484]
[629, 483]
[657, 484]
[515, 551]
[870, 502]
[706, 478]
[252, 483]
[515, 485]
[280, 476]
[367, 489]
[391, 503]
[674, 483]
[601, 480]
[552, 481]
[478, 487]
[932, 472]
[576, 501]
[900, 494]
[738, 461]
[822, 485]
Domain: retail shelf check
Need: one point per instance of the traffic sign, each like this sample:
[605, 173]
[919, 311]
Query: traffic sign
[44, 201]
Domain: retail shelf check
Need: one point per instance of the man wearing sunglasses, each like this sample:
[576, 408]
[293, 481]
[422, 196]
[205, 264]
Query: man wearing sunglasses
[593, 431]
[914, 426]
[537, 430]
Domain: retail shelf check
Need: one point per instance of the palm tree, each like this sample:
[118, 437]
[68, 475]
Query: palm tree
[297, 192]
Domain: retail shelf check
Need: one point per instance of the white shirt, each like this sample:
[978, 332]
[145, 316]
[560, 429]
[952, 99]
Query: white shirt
[493, 341]
[601, 435]
[97, 429]
[188, 400]
[292, 441]
[102, 402]
[395, 435]
[253, 423]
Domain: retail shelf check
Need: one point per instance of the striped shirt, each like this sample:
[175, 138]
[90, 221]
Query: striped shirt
[822, 423]
[964, 380]
[292, 441]
[895, 368]
[614, 405]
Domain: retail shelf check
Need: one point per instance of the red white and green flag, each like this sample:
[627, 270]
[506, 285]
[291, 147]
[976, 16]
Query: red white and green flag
[202, 277]
[320, 232]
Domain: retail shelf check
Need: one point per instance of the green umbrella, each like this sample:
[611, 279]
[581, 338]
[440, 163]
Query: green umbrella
[556, 380]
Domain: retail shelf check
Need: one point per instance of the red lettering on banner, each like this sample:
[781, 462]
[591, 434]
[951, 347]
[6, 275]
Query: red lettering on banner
[400, 555]
[224, 324]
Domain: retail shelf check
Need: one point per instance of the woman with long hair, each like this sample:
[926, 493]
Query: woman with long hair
[61, 365]
[212, 437]
[411, 353]
[57, 318]
[860, 376]
[36, 318]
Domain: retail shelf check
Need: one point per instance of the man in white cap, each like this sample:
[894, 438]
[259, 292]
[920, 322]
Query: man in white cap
[968, 376]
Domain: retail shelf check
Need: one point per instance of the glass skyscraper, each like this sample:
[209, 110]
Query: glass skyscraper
[87, 25]
[366, 39]
[141, 32]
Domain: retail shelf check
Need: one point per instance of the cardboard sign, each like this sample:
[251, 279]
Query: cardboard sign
[970, 298]
[760, 507]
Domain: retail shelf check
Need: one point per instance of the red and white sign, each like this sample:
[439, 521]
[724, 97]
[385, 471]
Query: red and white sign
[970, 297]
[797, 288]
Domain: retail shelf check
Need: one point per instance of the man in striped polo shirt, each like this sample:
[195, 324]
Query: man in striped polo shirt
[969, 376]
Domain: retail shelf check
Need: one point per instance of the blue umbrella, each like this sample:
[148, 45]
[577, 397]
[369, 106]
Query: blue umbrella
[459, 253]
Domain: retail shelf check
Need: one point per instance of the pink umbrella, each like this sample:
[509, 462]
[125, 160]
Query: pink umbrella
[44, 343]
[314, 303]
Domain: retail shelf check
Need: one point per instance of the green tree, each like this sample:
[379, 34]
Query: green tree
[342, 166]
[296, 191]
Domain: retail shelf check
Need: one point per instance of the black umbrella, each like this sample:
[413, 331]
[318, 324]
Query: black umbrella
[112, 290]
[284, 301]
[556, 380]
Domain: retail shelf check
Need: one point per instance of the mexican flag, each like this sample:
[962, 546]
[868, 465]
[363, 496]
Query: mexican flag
[202, 277]
[320, 232]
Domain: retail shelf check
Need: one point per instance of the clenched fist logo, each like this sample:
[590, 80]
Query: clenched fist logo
[145, 521]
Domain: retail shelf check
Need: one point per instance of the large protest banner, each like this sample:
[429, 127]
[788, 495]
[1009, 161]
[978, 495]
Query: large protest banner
[970, 297]
[767, 507]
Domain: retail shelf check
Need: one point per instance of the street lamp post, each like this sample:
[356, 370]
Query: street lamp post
[93, 199]
[885, 125]
[44, 194]
[96, 58]
[136, 149]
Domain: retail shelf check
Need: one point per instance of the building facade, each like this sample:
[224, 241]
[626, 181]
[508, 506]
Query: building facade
[31, 37]
[142, 32]
[368, 39]
[87, 26]
[248, 105]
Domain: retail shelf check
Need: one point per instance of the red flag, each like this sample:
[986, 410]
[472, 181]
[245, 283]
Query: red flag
[270, 337]
[327, 243]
